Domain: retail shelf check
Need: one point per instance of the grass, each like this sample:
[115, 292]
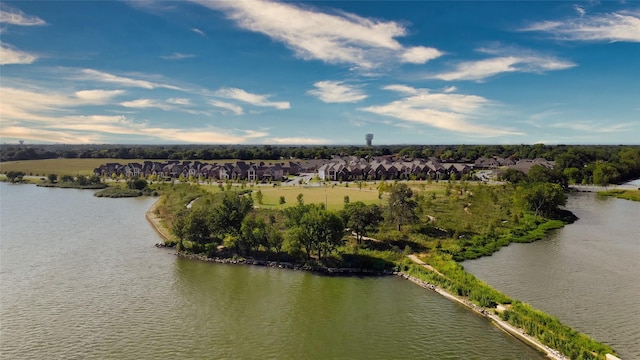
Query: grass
[633, 195]
[59, 166]
[83, 166]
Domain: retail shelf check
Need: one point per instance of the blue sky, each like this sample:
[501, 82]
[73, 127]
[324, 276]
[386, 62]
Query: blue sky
[324, 72]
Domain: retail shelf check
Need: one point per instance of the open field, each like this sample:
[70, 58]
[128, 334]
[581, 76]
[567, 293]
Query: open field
[59, 166]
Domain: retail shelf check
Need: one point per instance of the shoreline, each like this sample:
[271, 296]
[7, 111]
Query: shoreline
[519, 334]
[495, 319]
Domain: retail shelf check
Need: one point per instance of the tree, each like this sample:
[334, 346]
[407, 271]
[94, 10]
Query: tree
[253, 234]
[514, 176]
[196, 228]
[282, 200]
[259, 197]
[361, 218]
[604, 173]
[137, 184]
[227, 217]
[542, 198]
[52, 178]
[401, 206]
[300, 199]
[539, 173]
[15, 176]
[66, 178]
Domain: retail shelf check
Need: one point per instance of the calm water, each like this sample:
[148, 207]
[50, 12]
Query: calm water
[81, 279]
[587, 274]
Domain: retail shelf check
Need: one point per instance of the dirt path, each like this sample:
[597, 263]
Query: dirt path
[156, 222]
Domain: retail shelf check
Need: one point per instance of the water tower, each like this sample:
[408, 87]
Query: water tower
[369, 138]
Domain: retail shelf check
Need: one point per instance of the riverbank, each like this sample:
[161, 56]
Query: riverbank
[505, 326]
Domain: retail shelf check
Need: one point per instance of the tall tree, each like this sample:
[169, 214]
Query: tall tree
[361, 218]
[401, 205]
[541, 198]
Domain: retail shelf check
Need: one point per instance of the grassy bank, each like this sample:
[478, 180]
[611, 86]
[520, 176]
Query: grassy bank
[633, 195]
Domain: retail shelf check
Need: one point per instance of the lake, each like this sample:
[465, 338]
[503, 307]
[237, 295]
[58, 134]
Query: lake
[80, 278]
[587, 274]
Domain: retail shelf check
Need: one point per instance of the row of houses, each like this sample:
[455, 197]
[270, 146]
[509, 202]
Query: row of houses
[335, 169]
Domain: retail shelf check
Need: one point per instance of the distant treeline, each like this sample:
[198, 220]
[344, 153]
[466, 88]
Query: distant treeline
[624, 158]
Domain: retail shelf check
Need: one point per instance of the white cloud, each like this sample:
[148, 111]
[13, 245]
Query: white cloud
[98, 96]
[404, 89]
[178, 56]
[452, 112]
[621, 26]
[13, 16]
[199, 32]
[482, 69]
[49, 116]
[420, 55]
[337, 92]
[178, 101]
[341, 38]
[10, 55]
[227, 106]
[145, 104]
[253, 99]
[297, 141]
[95, 75]
[450, 89]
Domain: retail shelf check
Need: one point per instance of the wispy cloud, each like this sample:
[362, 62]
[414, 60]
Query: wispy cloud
[253, 99]
[227, 106]
[50, 116]
[620, 26]
[337, 92]
[95, 75]
[178, 56]
[12, 16]
[297, 141]
[339, 38]
[179, 101]
[10, 55]
[145, 104]
[199, 32]
[453, 112]
[506, 61]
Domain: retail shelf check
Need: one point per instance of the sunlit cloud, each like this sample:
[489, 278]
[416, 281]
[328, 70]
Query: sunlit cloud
[297, 141]
[95, 75]
[482, 69]
[146, 103]
[12, 16]
[337, 92]
[453, 112]
[10, 55]
[339, 38]
[178, 56]
[227, 106]
[253, 99]
[620, 26]
[57, 117]
[179, 101]
[199, 32]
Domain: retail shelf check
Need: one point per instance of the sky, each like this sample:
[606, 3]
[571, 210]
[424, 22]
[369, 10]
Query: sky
[320, 72]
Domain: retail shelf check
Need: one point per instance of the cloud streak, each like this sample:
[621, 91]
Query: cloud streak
[336, 92]
[452, 112]
[227, 106]
[341, 38]
[253, 99]
[11, 16]
[99, 76]
[621, 26]
[486, 68]
[10, 55]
